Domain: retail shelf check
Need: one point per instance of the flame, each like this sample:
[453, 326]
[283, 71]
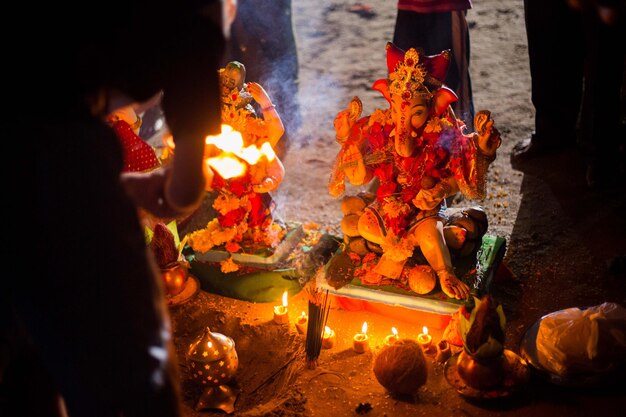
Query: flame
[394, 331]
[285, 299]
[425, 330]
[327, 331]
[303, 315]
[228, 163]
[364, 328]
[227, 166]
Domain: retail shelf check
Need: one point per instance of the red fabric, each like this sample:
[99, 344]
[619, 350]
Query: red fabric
[434, 6]
[138, 155]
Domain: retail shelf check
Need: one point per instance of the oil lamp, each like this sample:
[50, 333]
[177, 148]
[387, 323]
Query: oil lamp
[213, 363]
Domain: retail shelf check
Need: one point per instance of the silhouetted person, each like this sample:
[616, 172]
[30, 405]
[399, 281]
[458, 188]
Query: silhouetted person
[577, 71]
[87, 299]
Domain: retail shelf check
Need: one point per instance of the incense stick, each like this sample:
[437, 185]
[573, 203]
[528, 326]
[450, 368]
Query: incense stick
[318, 317]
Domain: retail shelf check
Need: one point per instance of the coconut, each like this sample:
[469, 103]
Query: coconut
[422, 279]
[349, 225]
[358, 246]
[401, 368]
[352, 204]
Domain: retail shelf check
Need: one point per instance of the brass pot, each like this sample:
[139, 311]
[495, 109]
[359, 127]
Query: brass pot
[175, 278]
[481, 373]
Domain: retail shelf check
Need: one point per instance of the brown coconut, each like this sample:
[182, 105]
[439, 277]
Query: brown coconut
[422, 279]
[352, 204]
[349, 225]
[358, 245]
[401, 368]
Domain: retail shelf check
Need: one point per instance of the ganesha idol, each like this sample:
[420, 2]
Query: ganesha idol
[244, 169]
[420, 154]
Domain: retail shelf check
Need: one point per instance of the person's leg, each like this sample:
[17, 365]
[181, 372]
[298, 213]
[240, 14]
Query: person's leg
[263, 39]
[555, 56]
[434, 33]
[602, 131]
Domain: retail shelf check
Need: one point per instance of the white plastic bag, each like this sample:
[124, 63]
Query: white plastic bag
[574, 341]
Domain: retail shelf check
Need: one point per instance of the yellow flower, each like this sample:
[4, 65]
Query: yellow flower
[223, 235]
[201, 240]
[433, 125]
[396, 249]
[228, 265]
[225, 203]
[273, 235]
[393, 207]
[379, 116]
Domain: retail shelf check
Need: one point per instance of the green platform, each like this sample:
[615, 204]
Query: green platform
[264, 277]
[477, 271]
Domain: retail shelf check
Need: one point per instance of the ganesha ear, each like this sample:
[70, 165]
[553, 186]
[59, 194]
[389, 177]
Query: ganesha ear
[395, 55]
[442, 98]
[382, 85]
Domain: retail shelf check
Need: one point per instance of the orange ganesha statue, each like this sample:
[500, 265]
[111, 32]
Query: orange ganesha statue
[421, 154]
[243, 203]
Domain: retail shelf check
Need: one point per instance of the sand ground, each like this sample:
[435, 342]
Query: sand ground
[561, 236]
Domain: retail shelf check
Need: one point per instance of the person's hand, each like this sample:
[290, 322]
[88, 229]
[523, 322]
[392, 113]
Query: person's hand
[146, 189]
[259, 95]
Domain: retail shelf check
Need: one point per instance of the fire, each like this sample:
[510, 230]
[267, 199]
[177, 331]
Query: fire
[364, 328]
[285, 303]
[232, 156]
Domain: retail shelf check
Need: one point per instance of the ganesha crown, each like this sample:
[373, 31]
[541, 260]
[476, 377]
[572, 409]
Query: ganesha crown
[407, 80]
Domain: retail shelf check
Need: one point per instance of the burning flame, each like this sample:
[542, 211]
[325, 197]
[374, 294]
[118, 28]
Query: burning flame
[285, 299]
[364, 328]
[327, 331]
[228, 163]
[394, 331]
[425, 330]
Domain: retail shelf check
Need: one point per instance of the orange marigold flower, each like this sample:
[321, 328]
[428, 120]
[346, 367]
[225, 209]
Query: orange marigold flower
[232, 247]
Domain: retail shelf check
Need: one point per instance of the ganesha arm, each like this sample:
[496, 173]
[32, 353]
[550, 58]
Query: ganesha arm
[272, 121]
[272, 177]
[274, 124]
[350, 162]
[486, 142]
[432, 197]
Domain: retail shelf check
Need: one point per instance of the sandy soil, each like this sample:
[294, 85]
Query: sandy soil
[560, 236]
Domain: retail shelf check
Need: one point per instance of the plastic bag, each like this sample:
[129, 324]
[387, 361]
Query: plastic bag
[575, 341]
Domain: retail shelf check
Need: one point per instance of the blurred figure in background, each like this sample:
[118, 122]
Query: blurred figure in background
[436, 26]
[577, 72]
[263, 39]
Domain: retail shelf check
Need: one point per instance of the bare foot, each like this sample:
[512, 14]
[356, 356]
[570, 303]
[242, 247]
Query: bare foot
[452, 286]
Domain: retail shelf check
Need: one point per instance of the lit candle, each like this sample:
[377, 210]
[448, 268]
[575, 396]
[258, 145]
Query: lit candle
[328, 338]
[424, 339]
[280, 312]
[302, 322]
[392, 338]
[360, 343]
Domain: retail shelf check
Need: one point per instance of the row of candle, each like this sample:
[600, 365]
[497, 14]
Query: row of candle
[360, 342]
